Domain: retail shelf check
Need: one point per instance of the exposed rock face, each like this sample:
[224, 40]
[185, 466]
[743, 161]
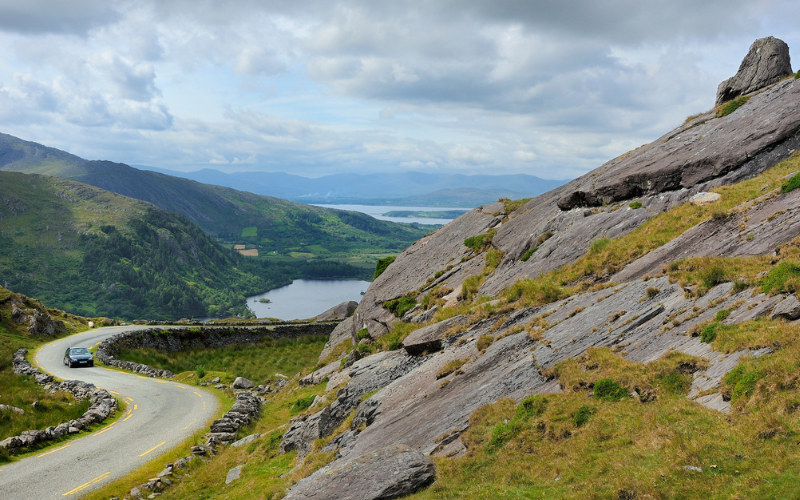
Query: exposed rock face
[788, 308]
[766, 62]
[386, 473]
[341, 311]
[244, 410]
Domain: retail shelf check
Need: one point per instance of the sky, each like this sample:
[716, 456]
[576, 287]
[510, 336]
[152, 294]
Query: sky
[552, 89]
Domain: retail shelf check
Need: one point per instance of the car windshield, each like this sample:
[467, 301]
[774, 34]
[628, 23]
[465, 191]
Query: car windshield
[79, 350]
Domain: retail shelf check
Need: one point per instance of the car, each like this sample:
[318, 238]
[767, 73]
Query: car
[78, 356]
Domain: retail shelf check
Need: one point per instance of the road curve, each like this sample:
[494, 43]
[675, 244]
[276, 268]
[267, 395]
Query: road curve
[159, 415]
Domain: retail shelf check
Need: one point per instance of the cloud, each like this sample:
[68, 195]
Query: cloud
[76, 17]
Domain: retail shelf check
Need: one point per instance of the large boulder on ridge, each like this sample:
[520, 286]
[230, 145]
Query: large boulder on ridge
[386, 473]
[766, 63]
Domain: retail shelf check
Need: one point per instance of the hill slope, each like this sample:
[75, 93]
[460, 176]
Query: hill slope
[95, 253]
[280, 226]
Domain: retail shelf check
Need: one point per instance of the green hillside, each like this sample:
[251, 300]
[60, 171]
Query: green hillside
[282, 231]
[95, 253]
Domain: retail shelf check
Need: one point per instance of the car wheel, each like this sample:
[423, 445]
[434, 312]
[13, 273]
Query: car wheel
[91, 364]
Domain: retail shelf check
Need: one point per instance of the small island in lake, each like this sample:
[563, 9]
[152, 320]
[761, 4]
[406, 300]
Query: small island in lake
[436, 214]
[264, 300]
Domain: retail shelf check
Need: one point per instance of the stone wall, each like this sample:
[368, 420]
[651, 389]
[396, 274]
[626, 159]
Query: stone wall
[103, 405]
[180, 338]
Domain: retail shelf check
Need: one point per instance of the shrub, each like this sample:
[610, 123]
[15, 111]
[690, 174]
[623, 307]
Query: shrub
[493, 258]
[302, 404]
[484, 341]
[608, 390]
[382, 264]
[200, 370]
[475, 243]
[636, 204]
[599, 244]
[743, 382]
[709, 333]
[363, 334]
[532, 406]
[791, 184]
[722, 315]
[527, 255]
[470, 287]
[712, 276]
[731, 106]
[581, 416]
[785, 277]
[652, 292]
[400, 306]
[450, 367]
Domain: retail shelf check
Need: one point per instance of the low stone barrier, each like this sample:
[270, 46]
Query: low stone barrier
[180, 338]
[103, 405]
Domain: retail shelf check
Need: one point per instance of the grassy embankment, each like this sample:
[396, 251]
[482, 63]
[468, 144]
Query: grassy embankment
[22, 391]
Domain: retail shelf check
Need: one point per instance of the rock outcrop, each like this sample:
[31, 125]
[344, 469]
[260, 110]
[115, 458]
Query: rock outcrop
[338, 312]
[386, 473]
[766, 63]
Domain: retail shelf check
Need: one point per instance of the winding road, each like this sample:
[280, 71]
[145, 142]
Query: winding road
[159, 415]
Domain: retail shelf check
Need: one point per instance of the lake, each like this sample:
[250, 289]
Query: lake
[306, 298]
[378, 211]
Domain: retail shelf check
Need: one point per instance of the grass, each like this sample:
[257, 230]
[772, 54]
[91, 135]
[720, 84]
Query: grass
[258, 362]
[382, 264]
[400, 306]
[791, 184]
[731, 106]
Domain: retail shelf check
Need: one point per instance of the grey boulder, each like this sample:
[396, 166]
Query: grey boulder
[242, 383]
[386, 473]
[766, 62]
[788, 308]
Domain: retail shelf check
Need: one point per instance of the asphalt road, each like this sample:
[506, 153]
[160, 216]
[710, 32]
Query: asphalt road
[159, 415]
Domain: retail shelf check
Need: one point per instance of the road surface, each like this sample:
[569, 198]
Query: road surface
[159, 415]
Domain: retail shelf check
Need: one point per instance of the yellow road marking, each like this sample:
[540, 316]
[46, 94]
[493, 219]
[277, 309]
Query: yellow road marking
[129, 398]
[126, 418]
[198, 394]
[153, 448]
[87, 484]
[204, 405]
[135, 407]
[161, 381]
[53, 451]
[115, 393]
[190, 423]
[139, 376]
[180, 386]
[103, 430]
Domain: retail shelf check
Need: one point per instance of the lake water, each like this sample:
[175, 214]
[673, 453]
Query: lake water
[378, 211]
[306, 298]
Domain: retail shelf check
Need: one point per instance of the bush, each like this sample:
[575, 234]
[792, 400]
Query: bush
[792, 184]
[475, 243]
[608, 390]
[581, 416]
[302, 404]
[484, 341]
[709, 333]
[400, 306]
[450, 367]
[652, 292]
[636, 204]
[382, 264]
[532, 406]
[722, 315]
[363, 334]
[200, 370]
[731, 106]
[527, 255]
[743, 382]
[783, 278]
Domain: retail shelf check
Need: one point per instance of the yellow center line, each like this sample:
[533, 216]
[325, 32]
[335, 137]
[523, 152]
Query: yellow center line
[204, 405]
[103, 430]
[190, 423]
[161, 381]
[86, 485]
[126, 418]
[198, 394]
[180, 386]
[135, 407]
[115, 393]
[139, 376]
[153, 448]
[129, 398]
[53, 451]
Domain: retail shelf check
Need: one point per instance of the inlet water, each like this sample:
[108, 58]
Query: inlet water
[305, 298]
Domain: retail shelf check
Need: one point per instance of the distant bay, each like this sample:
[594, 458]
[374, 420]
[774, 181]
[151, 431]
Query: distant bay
[305, 299]
[378, 211]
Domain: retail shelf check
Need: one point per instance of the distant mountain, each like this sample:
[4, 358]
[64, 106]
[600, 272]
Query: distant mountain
[95, 253]
[407, 188]
[234, 217]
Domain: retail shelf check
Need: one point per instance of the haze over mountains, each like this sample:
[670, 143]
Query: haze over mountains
[402, 188]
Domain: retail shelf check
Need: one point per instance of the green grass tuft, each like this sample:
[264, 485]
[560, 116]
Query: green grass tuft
[607, 390]
[791, 184]
[731, 106]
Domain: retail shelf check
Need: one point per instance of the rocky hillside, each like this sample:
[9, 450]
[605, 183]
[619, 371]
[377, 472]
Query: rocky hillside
[666, 277]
